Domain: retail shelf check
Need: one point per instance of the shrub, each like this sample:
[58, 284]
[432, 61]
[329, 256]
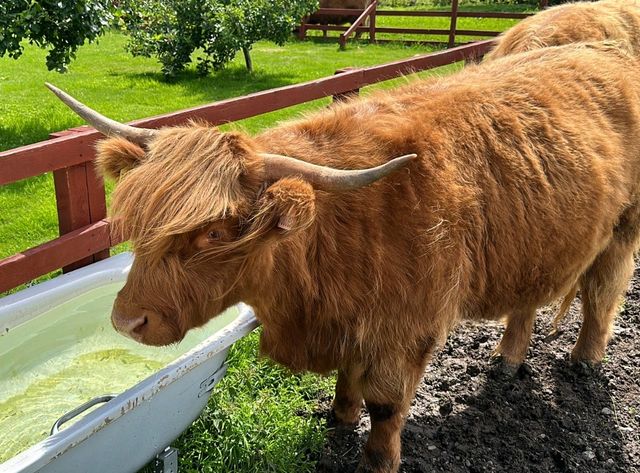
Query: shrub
[172, 30]
[61, 26]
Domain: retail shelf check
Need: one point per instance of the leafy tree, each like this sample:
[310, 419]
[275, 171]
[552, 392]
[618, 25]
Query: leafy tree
[62, 26]
[172, 30]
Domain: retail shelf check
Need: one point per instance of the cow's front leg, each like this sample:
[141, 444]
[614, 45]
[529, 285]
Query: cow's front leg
[348, 400]
[382, 451]
[388, 391]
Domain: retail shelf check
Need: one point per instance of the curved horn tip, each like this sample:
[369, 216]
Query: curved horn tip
[103, 124]
[406, 157]
[54, 89]
[327, 178]
[397, 163]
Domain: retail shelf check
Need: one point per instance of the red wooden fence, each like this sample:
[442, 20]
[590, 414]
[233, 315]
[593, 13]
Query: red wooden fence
[371, 13]
[85, 233]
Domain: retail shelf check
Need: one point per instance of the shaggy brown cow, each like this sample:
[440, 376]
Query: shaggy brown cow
[338, 19]
[527, 180]
[573, 23]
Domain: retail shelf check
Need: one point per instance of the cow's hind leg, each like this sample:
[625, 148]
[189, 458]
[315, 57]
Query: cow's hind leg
[602, 286]
[348, 400]
[515, 340]
[388, 390]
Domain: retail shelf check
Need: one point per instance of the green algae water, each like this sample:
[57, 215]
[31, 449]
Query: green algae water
[68, 355]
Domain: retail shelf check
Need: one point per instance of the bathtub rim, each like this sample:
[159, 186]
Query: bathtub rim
[32, 301]
[61, 288]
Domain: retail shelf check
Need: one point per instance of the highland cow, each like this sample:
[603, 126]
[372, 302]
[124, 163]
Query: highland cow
[617, 20]
[316, 19]
[527, 180]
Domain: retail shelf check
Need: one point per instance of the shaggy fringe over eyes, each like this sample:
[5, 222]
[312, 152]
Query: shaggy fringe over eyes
[190, 176]
[276, 202]
[262, 223]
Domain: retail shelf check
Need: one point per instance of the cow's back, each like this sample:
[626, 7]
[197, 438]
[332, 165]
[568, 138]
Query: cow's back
[617, 20]
[525, 165]
[556, 163]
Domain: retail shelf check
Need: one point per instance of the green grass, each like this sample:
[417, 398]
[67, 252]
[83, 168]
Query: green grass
[267, 426]
[260, 418]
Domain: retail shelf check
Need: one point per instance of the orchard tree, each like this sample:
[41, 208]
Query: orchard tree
[172, 30]
[61, 26]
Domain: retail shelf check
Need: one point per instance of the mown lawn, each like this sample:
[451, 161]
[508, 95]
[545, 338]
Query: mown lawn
[260, 418]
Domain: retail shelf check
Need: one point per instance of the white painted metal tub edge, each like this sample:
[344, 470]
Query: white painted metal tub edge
[28, 303]
[132, 428]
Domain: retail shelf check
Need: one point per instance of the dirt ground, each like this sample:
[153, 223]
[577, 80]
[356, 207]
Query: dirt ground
[468, 416]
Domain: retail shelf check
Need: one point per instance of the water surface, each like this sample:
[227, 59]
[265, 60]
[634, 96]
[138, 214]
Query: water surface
[68, 355]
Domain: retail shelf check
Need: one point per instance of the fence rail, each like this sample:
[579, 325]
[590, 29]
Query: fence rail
[371, 13]
[86, 234]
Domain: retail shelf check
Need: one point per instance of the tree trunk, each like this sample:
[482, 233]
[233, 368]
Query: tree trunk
[247, 58]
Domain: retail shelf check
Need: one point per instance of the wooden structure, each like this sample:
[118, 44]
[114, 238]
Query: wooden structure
[371, 13]
[85, 234]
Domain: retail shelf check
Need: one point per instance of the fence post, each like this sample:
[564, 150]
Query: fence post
[342, 96]
[356, 24]
[372, 23]
[302, 32]
[342, 42]
[454, 21]
[80, 200]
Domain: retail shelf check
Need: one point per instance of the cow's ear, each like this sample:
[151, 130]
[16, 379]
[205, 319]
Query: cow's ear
[117, 155]
[285, 208]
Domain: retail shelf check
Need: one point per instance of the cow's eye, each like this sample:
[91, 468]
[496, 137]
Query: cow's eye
[214, 235]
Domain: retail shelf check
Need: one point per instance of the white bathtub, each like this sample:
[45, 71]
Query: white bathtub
[128, 431]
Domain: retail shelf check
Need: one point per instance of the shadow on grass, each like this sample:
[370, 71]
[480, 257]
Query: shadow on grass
[363, 42]
[29, 131]
[226, 83]
[332, 38]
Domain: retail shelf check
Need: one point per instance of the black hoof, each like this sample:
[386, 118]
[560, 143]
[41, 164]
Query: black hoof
[584, 368]
[334, 423]
[501, 369]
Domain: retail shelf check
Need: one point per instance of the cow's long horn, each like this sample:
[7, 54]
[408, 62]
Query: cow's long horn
[327, 178]
[101, 123]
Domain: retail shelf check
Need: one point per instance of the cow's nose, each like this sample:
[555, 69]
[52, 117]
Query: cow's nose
[131, 327]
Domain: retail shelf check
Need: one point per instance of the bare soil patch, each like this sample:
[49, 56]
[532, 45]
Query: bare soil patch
[469, 416]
